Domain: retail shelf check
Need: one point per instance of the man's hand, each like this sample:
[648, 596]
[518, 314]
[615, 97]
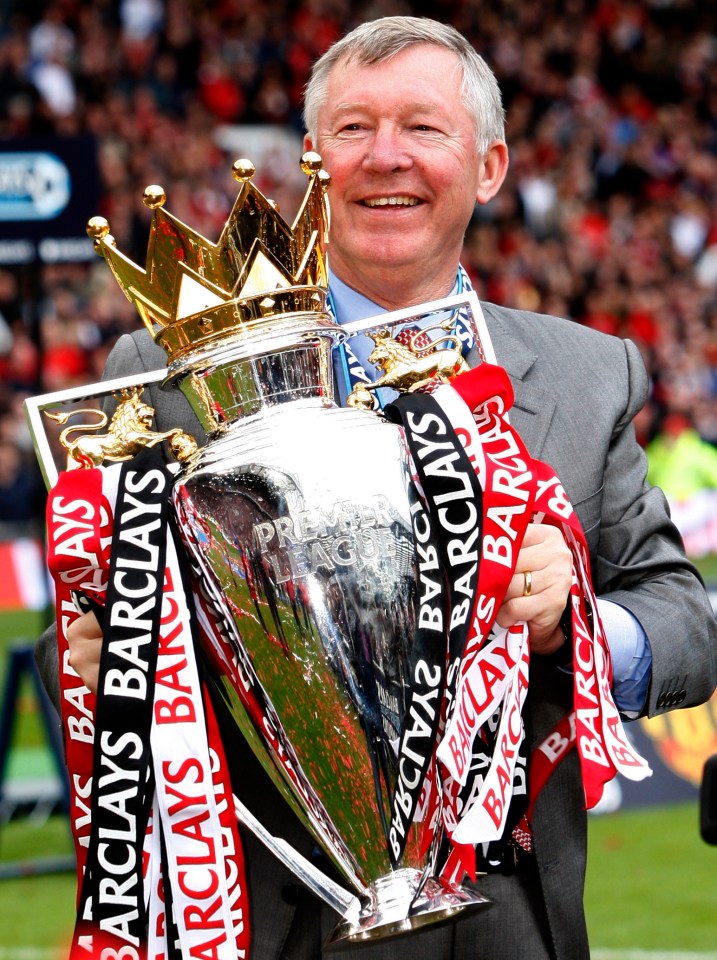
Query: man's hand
[540, 598]
[84, 638]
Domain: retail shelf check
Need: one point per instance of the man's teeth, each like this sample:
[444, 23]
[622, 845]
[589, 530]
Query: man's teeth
[391, 202]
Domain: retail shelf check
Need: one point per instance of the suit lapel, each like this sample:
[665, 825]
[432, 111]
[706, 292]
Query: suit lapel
[533, 409]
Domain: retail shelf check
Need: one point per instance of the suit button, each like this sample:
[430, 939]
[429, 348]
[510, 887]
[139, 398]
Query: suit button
[290, 893]
[680, 697]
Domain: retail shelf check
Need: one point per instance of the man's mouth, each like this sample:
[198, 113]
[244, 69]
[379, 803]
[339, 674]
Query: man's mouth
[397, 201]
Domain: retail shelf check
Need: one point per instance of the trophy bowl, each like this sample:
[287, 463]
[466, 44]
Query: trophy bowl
[298, 522]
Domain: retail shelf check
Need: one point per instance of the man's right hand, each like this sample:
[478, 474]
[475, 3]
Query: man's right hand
[84, 638]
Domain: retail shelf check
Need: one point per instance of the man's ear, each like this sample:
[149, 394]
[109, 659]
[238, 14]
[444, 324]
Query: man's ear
[493, 170]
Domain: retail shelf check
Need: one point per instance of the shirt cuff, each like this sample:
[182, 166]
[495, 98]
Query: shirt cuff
[631, 657]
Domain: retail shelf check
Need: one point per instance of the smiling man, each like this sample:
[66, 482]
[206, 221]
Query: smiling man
[407, 167]
[409, 122]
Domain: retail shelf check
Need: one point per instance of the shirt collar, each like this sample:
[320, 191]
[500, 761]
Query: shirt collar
[348, 305]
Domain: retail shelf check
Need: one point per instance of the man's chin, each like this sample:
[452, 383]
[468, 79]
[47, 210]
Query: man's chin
[385, 250]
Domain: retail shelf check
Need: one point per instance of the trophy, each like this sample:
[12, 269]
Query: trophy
[296, 516]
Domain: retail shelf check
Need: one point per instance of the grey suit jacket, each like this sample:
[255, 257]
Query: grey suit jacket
[576, 392]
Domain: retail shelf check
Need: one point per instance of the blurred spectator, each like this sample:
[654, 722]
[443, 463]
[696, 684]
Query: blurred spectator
[21, 493]
[685, 466]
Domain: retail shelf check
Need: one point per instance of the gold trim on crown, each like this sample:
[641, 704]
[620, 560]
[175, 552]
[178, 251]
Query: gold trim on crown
[193, 291]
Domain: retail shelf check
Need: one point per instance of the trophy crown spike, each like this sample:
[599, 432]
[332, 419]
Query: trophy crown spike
[243, 170]
[193, 292]
[154, 196]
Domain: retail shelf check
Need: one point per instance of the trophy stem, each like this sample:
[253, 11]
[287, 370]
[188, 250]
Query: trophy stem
[400, 902]
[259, 369]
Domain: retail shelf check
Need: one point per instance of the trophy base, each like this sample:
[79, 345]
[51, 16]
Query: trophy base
[395, 908]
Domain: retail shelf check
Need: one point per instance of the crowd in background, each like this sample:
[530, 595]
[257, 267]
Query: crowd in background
[609, 214]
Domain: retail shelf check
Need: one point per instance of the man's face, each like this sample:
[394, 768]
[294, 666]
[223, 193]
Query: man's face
[400, 147]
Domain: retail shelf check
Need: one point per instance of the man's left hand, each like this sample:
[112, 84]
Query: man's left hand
[539, 588]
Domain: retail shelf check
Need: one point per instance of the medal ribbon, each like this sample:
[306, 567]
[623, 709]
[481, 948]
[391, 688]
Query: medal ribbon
[447, 535]
[112, 911]
[481, 743]
[188, 856]
[600, 737]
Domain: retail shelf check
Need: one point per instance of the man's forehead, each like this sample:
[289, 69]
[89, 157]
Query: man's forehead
[425, 106]
[428, 87]
[359, 60]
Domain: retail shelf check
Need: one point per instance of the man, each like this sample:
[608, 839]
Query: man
[408, 121]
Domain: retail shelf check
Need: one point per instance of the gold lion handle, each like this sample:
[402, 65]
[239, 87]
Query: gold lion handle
[128, 432]
[409, 367]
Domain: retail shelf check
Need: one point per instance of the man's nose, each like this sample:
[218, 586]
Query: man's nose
[387, 151]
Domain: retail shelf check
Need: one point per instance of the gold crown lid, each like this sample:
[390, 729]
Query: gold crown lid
[193, 291]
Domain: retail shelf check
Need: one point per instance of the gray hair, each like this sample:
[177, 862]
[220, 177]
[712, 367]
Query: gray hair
[379, 40]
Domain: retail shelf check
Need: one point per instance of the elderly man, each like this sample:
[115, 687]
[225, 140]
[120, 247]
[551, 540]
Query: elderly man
[409, 123]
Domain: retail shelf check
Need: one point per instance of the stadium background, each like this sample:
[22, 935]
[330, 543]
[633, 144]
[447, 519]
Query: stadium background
[609, 214]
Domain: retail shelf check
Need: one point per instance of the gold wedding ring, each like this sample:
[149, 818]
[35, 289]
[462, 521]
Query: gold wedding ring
[527, 583]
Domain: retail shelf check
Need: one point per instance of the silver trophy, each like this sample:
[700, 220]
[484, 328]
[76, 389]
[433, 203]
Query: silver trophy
[296, 516]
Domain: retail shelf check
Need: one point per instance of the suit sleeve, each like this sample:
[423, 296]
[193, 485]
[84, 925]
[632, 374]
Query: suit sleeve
[641, 565]
[48, 664]
[132, 354]
[138, 353]
[125, 359]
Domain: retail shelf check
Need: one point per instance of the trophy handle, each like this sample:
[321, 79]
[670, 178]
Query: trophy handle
[36, 412]
[332, 893]
[383, 911]
[467, 302]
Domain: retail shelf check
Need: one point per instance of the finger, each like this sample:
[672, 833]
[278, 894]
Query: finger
[540, 557]
[84, 658]
[516, 609]
[525, 584]
[542, 566]
[84, 639]
[85, 625]
[542, 540]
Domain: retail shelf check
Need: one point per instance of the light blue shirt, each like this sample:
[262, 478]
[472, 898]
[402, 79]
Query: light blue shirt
[629, 646]
[631, 657]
